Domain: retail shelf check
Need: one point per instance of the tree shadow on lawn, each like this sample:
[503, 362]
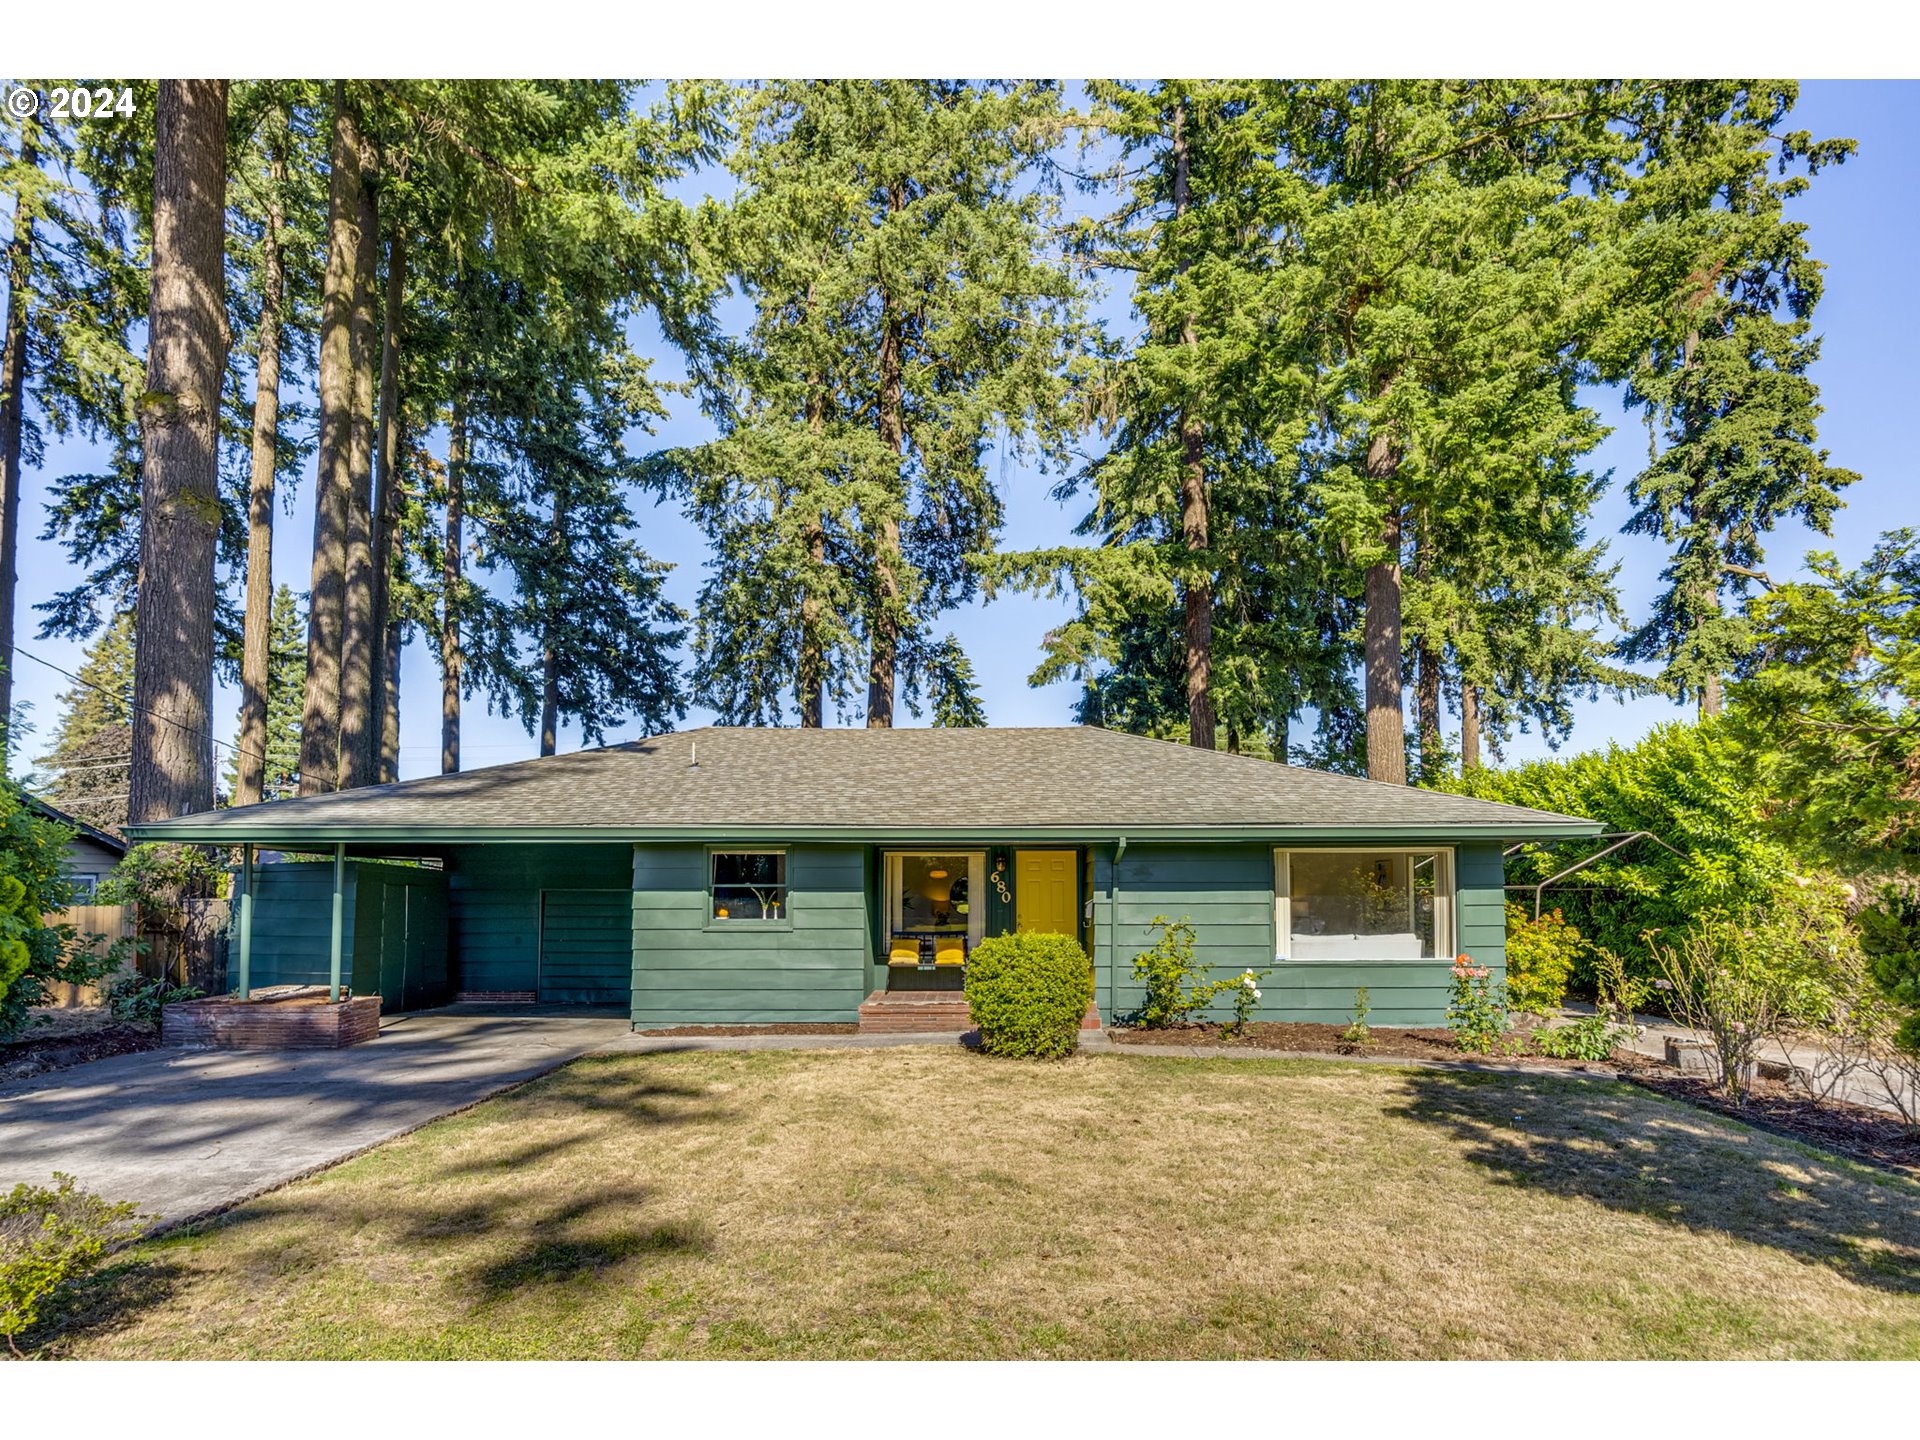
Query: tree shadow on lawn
[294, 1231]
[1639, 1154]
[527, 1190]
[119, 1291]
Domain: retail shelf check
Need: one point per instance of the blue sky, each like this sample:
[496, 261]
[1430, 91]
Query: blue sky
[1861, 218]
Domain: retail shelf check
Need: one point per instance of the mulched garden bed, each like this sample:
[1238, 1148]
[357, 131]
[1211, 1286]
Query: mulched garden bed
[1390, 1042]
[820, 1029]
[1858, 1132]
[1873, 1137]
[38, 1054]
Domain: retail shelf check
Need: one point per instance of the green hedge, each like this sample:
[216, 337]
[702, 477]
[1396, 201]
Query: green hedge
[1689, 784]
[1028, 994]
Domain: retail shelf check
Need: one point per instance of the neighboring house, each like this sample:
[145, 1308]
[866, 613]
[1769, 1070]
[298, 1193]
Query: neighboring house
[751, 876]
[91, 856]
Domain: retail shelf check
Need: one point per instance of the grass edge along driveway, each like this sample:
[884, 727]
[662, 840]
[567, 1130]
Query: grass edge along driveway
[929, 1203]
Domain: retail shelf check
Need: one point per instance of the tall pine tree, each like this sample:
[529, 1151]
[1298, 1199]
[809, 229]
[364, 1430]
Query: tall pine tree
[908, 313]
[1718, 340]
[85, 768]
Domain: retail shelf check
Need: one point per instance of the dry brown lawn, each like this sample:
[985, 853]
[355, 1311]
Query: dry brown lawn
[933, 1204]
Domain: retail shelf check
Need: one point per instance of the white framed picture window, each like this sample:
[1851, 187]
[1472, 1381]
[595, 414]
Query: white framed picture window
[1372, 904]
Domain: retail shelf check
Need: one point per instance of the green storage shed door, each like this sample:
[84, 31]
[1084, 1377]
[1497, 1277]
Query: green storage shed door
[586, 947]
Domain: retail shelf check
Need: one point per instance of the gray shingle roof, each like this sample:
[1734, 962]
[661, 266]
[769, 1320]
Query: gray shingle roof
[1075, 780]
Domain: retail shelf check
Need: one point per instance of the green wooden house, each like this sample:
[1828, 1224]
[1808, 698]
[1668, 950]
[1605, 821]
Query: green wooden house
[749, 876]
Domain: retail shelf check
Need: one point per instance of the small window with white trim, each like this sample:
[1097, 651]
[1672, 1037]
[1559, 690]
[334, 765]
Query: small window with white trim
[747, 885]
[1378, 905]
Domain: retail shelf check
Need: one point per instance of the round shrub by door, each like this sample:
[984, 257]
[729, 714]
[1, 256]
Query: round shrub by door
[1028, 993]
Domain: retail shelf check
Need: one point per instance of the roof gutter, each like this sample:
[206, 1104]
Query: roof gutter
[293, 835]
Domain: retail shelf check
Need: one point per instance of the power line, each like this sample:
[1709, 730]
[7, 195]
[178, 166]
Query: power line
[206, 735]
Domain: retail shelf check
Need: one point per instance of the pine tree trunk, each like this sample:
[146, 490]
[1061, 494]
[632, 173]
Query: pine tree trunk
[1386, 721]
[884, 637]
[810, 675]
[1710, 692]
[390, 690]
[450, 659]
[1711, 699]
[172, 768]
[359, 726]
[549, 697]
[1469, 726]
[549, 652]
[386, 519]
[1427, 699]
[13, 417]
[1197, 603]
[320, 721]
[250, 765]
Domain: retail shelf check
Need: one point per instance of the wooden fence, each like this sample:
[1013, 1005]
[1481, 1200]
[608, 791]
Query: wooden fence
[108, 923]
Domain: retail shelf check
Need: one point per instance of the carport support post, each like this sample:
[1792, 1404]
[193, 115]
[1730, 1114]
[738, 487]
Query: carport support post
[339, 890]
[246, 921]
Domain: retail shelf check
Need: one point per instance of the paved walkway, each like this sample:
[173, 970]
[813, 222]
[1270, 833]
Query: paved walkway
[186, 1132]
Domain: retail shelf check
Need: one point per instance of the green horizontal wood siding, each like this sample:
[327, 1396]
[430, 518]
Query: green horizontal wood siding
[1481, 904]
[493, 900]
[691, 970]
[1224, 892]
[1227, 894]
[1400, 992]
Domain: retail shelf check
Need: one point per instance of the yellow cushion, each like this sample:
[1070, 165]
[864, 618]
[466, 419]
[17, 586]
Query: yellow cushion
[949, 952]
[904, 952]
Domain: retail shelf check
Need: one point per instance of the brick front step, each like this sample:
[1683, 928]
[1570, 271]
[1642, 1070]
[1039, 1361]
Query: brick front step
[909, 1012]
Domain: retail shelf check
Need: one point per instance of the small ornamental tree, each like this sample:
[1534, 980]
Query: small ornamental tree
[1752, 975]
[1028, 993]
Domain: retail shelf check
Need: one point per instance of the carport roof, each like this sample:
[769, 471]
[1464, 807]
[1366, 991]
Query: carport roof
[736, 783]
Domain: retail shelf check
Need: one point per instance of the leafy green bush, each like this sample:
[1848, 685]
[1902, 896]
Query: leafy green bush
[1693, 785]
[1169, 972]
[140, 999]
[1477, 1008]
[1592, 1037]
[1890, 937]
[1028, 993]
[33, 885]
[48, 1240]
[160, 882]
[1540, 959]
[1245, 990]
[1752, 974]
[1175, 989]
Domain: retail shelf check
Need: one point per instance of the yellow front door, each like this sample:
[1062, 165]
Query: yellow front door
[1044, 893]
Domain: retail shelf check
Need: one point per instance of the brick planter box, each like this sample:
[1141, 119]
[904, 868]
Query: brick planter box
[302, 1020]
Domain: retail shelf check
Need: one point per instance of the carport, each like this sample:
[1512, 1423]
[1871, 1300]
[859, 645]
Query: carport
[459, 921]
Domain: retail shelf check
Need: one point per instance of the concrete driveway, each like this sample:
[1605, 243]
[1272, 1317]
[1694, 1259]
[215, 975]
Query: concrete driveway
[186, 1132]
